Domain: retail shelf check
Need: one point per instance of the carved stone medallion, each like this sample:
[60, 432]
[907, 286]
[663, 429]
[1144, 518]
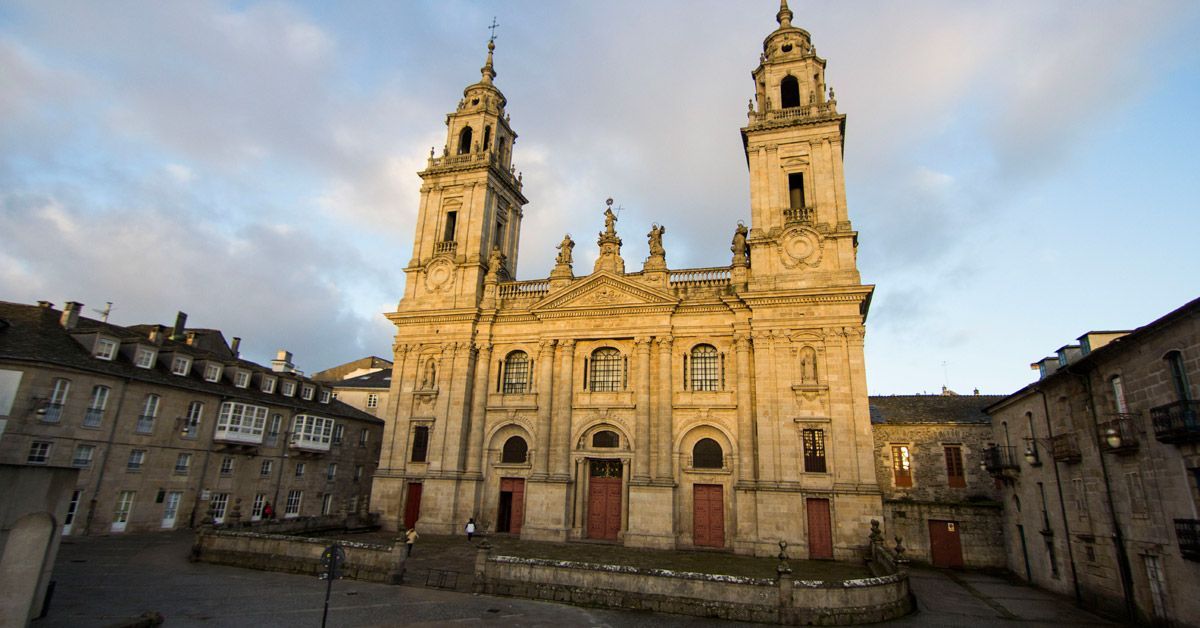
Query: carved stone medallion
[800, 246]
[439, 275]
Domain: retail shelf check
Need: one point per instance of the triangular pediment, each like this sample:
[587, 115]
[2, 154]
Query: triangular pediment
[603, 290]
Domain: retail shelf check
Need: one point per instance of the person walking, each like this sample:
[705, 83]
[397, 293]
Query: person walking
[410, 538]
[470, 528]
[268, 512]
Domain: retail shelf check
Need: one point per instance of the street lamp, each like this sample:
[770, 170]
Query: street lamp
[1113, 438]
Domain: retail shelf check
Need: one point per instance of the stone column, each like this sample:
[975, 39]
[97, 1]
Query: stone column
[663, 425]
[483, 360]
[641, 465]
[562, 414]
[545, 395]
[745, 418]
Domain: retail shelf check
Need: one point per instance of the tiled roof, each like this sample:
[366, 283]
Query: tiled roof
[931, 408]
[33, 333]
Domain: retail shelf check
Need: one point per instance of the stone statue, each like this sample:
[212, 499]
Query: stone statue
[564, 250]
[740, 252]
[655, 236]
[430, 378]
[495, 261]
[808, 365]
[610, 220]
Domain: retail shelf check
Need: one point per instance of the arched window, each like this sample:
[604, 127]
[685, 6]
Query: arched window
[487, 137]
[705, 372]
[789, 92]
[516, 373]
[606, 439]
[464, 141]
[606, 370]
[515, 450]
[707, 454]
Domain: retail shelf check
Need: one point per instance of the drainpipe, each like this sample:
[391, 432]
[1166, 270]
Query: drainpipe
[1118, 535]
[1062, 505]
[112, 435]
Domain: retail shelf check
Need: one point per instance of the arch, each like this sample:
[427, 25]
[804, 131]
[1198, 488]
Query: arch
[606, 370]
[515, 379]
[789, 92]
[487, 137]
[707, 454]
[515, 451]
[464, 141]
[606, 439]
[602, 424]
[705, 368]
[519, 426]
[808, 365]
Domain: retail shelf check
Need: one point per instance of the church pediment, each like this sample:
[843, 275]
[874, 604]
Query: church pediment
[603, 290]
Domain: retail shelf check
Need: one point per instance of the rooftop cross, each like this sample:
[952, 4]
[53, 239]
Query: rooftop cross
[493, 29]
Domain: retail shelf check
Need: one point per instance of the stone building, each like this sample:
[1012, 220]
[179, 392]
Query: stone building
[936, 497]
[661, 407]
[362, 384]
[1100, 465]
[166, 423]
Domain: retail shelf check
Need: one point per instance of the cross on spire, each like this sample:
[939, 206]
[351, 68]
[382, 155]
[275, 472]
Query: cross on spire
[493, 29]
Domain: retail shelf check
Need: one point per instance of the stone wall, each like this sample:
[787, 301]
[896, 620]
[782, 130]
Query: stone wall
[786, 601]
[295, 554]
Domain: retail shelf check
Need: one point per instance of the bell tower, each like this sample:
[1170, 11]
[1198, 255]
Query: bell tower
[800, 234]
[470, 206]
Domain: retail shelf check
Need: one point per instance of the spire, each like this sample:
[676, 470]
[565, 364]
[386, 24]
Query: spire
[487, 70]
[784, 17]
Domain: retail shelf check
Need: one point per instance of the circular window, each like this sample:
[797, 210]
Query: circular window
[786, 48]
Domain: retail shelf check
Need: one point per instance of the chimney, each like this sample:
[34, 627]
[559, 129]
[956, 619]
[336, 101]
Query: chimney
[976, 392]
[283, 362]
[177, 330]
[45, 305]
[158, 334]
[233, 346]
[70, 315]
[191, 338]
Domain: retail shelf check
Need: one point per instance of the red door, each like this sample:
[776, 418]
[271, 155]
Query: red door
[604, 500]
[512, 505]
[412, 506]
[820, 532]
[708, 516]
[945, 546]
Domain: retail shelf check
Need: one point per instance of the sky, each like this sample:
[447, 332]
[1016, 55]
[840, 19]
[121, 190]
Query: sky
[1019, 171]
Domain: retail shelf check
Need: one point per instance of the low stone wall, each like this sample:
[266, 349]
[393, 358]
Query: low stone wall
[296, 554]
[305, 525]
[784, 601]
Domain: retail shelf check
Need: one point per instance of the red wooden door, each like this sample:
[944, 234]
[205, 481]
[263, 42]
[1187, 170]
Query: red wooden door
[820, 531]
[945, 546]
[604, 508]
[708, 516]
[515, 487]
[412, 506]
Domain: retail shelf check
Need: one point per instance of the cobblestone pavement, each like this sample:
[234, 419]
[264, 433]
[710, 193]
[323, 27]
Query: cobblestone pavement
[104, 580]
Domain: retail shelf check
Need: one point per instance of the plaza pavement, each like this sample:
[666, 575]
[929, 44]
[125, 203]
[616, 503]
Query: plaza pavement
[103, 581]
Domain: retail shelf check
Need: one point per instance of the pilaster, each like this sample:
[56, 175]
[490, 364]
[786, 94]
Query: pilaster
[642, 447]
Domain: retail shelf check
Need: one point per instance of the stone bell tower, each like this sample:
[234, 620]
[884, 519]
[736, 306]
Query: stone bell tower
[800, 234]
[470, 204]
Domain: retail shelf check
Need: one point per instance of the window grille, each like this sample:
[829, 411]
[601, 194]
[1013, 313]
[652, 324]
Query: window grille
[516, 373]
[705, 372]
[606, 370]
[707, 454]
[814, 451]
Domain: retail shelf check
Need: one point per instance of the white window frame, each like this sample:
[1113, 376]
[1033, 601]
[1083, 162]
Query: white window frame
[339, 432]
[363, 437]
[312, 431]
[327, 503]
[242, 418]
[181, 365]
[212, 372]
[331, 472]
[266, 467]
[143, 357]
[83, 456]
[39, 452]
[137, 460]
[191, 423]
[306, 392]
[183, 463]
[145, 422]
[241, 379]
[227, 465]
[219, 505]
[57, 400]
[268, 384]
[94, 415]
[256, 511]
[325, 396]
[122, 509]
[300, 469]
[288, 388]
[105, 348]
[291, 508]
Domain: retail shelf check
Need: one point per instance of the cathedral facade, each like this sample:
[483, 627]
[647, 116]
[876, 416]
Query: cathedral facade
[673, 408]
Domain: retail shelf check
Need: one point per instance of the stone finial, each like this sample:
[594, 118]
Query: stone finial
[784, 17]
[783, 568]
[488, 71]
[876, 535]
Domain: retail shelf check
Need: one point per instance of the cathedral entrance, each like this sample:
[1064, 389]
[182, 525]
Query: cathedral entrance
[412, 505]
[604, 499]
[708, 516]
[820, 532]
[511, 512]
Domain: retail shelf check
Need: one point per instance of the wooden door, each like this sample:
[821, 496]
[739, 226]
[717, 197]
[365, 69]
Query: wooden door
[412, 506]
[604, 500]
[512, 505]
[708, 516]
[945, 547]
[820, 530]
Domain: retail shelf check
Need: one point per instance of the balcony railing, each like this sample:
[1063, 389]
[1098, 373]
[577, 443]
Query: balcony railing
[1000, 458]
[53, 413]
[1177, 422]
[1188, 533]
[145, 424]
[802, 215]
[448, 246]
[1065, 448]
[699, 277]
[1122, 434]
[93, 417]
[535, 289]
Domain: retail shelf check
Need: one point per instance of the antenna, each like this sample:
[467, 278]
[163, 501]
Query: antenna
[105, 312]
[493, 28]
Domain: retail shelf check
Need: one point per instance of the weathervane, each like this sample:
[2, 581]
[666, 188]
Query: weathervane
[493, 28]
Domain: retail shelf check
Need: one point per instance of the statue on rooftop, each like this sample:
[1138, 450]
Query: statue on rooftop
[564, 250]
[655, 236]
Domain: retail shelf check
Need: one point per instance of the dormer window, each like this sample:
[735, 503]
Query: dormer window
[306, 392]
[144, 358]
[241, 379]
[212, 372]
[268, 384]
[288, 388]
[324, 396]
[105, 349]
[181, 365]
